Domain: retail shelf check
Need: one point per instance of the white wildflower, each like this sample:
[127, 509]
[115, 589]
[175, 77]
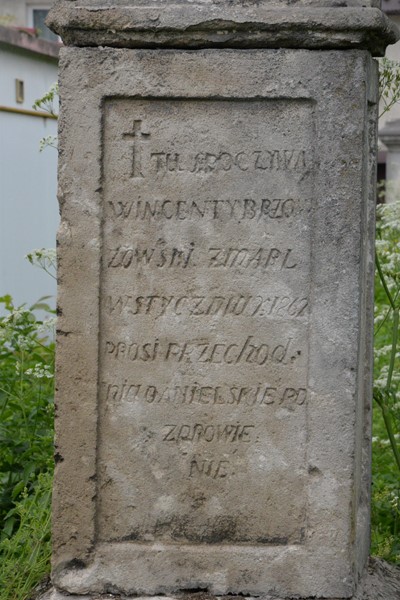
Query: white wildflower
[48, 325]
[40, 371]
[24, 343]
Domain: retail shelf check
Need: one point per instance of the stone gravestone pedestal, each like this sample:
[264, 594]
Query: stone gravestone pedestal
[216, 264]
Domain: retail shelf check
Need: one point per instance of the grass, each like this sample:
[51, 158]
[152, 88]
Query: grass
[26, 447]
[386, 416]
[25, 556]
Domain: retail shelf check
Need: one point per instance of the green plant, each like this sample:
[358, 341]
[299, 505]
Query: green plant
[386, 421]
[386, 439]
[26, 404]
[387, 308]
[389, 84]
[47, 103]
[45, 259]
[25, 557]
[26, 429]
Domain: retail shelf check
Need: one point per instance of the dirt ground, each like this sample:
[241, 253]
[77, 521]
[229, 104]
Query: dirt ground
[381, 583]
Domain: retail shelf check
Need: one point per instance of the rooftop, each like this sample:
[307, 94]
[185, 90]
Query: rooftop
[25, 40]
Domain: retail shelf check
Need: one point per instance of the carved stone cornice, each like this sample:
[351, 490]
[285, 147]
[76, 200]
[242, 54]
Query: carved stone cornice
[223, 24]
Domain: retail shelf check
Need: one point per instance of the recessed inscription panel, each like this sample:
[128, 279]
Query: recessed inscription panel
[204, 316]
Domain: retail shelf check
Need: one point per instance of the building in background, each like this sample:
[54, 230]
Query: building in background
[28, 15]
[28, 203]
[389, 124]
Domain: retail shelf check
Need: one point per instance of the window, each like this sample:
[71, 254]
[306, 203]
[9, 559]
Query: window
[19, 91]
[37, 16]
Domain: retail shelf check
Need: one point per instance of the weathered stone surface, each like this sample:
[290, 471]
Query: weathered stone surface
[380, 582]
[215, 303]
[204, 320]
[268, 24]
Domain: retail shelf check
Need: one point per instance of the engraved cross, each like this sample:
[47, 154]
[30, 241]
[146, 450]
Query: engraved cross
[138, 135]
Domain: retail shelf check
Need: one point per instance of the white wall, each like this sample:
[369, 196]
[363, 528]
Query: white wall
[16, 9]
[28, 205]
